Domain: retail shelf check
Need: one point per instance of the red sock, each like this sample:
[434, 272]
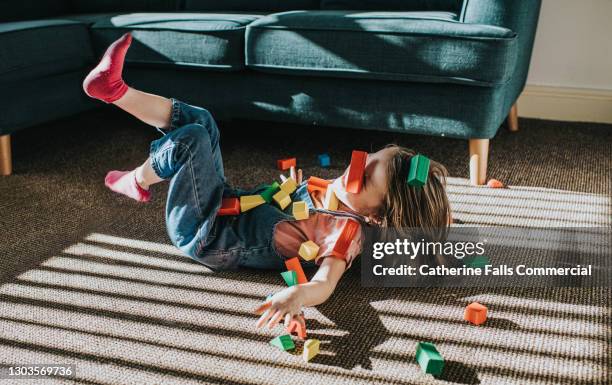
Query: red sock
[104, 82]
[124, 182]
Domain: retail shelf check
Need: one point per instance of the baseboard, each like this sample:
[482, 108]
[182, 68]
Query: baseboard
[564, 103]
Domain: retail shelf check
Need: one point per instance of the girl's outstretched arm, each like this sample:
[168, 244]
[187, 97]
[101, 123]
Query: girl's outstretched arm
[288, 302]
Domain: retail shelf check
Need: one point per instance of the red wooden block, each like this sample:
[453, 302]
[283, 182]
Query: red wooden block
[286, 164]
[319, 184]
[298, 326]
[354, 180]
[475, 313]
[344, 241]
[294, 264]
[229, 206]
[494, 183]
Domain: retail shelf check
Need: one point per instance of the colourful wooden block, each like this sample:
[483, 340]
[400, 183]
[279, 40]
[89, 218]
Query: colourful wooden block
[354, 179]
[429, 359]
[475, 313]
[300, 210]
[477, 261]
[289, 186]
[248, 202]
[290, 277]
[297, 326]
[308, 250]
[269, 192]
[295, 265]
[317, 184]
[324, 160]
[286, 164]
[419, 170]
[229, 206]
[311, 349]
[346, 237]
[330, 202]
[282, 199]
[283, 342]
[494, 183]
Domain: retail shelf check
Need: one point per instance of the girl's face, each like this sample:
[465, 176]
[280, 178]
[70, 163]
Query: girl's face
[369, 200]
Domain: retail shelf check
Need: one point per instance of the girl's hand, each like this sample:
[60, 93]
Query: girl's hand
[283, 305]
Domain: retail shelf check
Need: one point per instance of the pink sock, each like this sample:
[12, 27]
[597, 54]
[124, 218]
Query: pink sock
[105, 82]
[124, 182]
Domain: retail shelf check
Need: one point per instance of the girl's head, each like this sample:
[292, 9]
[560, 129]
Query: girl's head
[388, 200]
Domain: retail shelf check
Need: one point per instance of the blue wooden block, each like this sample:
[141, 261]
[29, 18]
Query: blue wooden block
[324, 160]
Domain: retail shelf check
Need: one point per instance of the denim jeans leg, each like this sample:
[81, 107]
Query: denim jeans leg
[186, 156]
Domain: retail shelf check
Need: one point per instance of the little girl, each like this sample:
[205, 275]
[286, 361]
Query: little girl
[188, 155]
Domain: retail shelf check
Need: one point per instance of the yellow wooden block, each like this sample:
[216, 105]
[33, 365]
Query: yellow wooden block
[248, 202]
[331, 200]
[282, 199]
[311, 349]
[300, 210]
[308, 250]
[289, 186]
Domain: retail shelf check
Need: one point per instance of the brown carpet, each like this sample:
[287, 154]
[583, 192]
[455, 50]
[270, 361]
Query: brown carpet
[89, 278]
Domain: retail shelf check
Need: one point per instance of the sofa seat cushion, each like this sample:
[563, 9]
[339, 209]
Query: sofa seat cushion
[409, 46]
[27, 52]
[200, 40]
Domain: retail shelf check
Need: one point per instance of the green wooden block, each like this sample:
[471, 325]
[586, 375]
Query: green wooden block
[290, 277]
[477, 261]
[419, 170]
[283, 342]
[270, 191]
[429, 358]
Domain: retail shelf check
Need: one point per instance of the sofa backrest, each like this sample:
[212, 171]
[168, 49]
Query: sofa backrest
[395, 5]
[95, 6]
[11, 10]
[249, 5]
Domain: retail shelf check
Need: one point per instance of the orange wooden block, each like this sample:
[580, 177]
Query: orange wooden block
[286, 164]
[354, 180]
[294, 264]
[319, 184]
[475, 313]
[344, 241]
[494, 183]
[297, 326]
[229, 206]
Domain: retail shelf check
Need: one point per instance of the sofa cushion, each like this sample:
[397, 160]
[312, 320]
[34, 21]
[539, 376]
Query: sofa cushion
[32, 9]
[214, 41]
[27, 53]
[412, 46]
[395, 5]
[118, 6]
[250, 5]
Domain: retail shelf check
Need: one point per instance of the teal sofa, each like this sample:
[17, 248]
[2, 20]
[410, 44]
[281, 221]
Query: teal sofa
[450, 68]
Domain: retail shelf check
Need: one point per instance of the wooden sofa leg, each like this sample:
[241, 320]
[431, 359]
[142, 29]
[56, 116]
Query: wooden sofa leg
[479, 155]
[6, 166]
[513, 119]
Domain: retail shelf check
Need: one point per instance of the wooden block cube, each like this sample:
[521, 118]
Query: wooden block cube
[295, 265]
[247, 202]
[269, 192]
[297, 326]
[289, 186]
[346, 237]
[419, 170]
[283, 342]
[330, 202]
[290, 277]
[429, 359]
[317, 184]
[286, 164]
[282, 199]
[354, 179]
[229, 206]
[475, 313]
[324, 160]
[311, 349]
[300, 210]
[308, 250]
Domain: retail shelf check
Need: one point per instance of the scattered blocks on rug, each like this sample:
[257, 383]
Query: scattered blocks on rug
[429, 359]
[479, 261]
[286, 164]
[311, 349]
[269, 192]
[330, 202]
[346, 237]
[283, 342]
[282, 199]
[295, 265]
[354, 179]
[317, 184]
[324, 160]
[289, 186]
[248, 202]
[229, 206]
[475, 313]
[290, 277]
[300, 210]
[297, 326]
[494, 183]
[419, 170]
[308, 250]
